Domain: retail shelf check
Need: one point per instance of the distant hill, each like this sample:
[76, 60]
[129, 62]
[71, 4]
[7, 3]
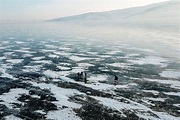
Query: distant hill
[165, 13]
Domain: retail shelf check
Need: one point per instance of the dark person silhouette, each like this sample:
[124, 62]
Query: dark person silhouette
[85, 77]
[115, 80]
[78, 75]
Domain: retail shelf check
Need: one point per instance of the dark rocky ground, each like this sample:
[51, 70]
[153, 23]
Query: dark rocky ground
[91, 109]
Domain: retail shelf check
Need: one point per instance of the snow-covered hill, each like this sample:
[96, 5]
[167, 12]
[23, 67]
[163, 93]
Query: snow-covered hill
[165, 13]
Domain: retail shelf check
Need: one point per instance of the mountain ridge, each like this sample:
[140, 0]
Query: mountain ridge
[117, 15]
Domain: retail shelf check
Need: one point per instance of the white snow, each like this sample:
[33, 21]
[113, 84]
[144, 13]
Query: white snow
[105, 56]
[113, 52]
[85, 65]
[2, 58]
[7, 75]
[2, 47]
[170, 74]
[98, 77]
[52, 74]
[77, 69]
[62, 53]
[141, 49]
[132, 55]
[166, 116]
[34, 68]
[23, 51]
[40, 111]
[53, 56]
[121, 65]
[151, 91]
[64, 48]
[154, 60]
[27, 55]
[68, 64]
[104, 87]
[11, 96]
[43, 61]
[172, 93]
[77, 58]
[38, 58]
[65, 114]
[172, 83]
[44, 50]
[133, 106]
[61, 94]
[12, 117]
[8, 53]
[155, 99]
[177, 105]
[19, 42]
[92, 53]
[51, 46]
[14, 61]
[64, 68]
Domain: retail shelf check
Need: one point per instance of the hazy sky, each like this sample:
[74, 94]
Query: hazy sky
[38, 10]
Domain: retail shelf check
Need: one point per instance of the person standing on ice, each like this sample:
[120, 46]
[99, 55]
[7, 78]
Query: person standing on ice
[78, 75]
[115, 80]
[85, 77]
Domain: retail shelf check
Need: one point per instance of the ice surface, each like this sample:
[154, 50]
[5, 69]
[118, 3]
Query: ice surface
[155, 99]
[61, 94]
[172, 93]
[53, 56]
[12, 117]
[11, 96]
[172, 83]
[98, 77]
[14, 61]
[43, 61]
[154, 60]
[38, 58]
[170, 74]
[64, 68]
[85, 65]
[65, 114]
[152, 91]
[121, 65]
[77, 58]
[52, 74]
[32, 68]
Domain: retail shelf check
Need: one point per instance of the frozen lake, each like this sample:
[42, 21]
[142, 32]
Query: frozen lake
[138, 56]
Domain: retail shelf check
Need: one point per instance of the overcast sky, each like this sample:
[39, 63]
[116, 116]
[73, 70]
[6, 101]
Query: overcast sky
[39, 10]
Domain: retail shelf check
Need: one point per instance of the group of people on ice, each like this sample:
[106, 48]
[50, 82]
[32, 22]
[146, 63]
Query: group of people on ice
[82, 76]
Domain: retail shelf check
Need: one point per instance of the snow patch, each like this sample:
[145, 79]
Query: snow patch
[98, 77]
[172, 83]
[11, 96]
[53, 56]
[65, 114]
[85, 65]
[170, 74]
[155, 99]
[121, 65]
[64, 68]
[12, 117]
[151, 91]
[15, 61]
[154, 60]
[38, 58]
[172, 93]
[77, 58]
